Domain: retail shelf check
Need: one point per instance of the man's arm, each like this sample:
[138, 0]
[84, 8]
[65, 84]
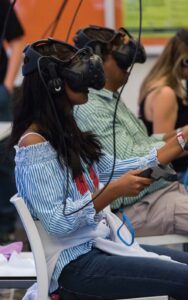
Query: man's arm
[128, 143]
[14, 38]
[16, 47]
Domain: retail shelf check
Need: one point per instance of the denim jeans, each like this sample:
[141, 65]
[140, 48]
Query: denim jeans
[98, 275]
[181, 177]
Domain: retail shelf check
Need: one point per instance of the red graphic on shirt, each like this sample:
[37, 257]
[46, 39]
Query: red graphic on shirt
[94, 177]
[81, 183]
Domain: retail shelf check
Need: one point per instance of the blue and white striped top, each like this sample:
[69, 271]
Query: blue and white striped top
[41, 181]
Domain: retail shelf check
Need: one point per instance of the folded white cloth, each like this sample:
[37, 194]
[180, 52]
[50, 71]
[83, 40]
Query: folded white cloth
[115, 246]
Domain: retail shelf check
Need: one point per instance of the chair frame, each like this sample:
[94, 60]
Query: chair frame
[36, 247]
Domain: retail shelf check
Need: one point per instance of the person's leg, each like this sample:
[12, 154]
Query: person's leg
[98, 275]
[179, 256]
[162, 212]
[181, 177]
[7, 190]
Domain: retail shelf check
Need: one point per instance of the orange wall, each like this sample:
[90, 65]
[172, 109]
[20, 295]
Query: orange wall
[36, 15]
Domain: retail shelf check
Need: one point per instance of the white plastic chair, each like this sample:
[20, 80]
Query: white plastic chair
[38, 252]
[166, 239]
[36, 247]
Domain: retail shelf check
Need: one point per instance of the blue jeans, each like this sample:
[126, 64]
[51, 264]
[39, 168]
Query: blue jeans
[98, 275]
[181, 177]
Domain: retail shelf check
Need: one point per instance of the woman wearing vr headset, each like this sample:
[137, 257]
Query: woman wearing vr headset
[58, 169]
[163, 96]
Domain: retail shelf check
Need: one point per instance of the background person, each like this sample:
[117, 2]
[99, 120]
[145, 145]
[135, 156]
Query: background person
[163, 96]
[158, 208]
[9, 65]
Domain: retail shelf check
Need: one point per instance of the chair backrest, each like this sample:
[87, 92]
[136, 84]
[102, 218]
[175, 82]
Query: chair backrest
[36, 246]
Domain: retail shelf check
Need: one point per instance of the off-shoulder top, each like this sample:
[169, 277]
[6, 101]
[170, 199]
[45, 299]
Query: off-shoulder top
[41, 181]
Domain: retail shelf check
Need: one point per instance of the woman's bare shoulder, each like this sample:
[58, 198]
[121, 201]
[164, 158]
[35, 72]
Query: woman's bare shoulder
[30, 138]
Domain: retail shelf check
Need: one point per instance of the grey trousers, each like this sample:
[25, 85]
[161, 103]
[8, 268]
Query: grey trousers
[162, 212]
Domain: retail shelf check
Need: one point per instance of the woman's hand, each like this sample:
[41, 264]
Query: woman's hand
[130, 184]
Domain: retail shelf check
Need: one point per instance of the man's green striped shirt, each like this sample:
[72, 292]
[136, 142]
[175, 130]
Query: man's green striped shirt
[131, 135]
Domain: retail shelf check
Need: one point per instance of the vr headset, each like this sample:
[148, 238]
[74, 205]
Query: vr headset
[80, 68]
[102, 41]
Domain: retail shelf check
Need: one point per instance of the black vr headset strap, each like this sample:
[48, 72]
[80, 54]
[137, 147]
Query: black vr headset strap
[83, 39]
[122, 29]
[31, 58]
[99, 47]
[55, 83]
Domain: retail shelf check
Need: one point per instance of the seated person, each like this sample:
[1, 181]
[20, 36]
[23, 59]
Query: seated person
[9, 66]
[58, 169]
[157, 209]
[163, 99]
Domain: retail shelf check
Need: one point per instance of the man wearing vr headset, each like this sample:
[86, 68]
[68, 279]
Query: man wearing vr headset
[163, 96]
[159, 208]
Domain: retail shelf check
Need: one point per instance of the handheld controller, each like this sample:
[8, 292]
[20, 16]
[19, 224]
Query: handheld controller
[186, 146]
[146, 173]
[158, 172]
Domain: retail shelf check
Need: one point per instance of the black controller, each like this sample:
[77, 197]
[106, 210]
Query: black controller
[160, 171]
[186, 146]
[146, 173]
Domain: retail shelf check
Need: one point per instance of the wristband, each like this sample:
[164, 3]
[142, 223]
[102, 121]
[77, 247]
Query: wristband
[181, 140]
[186, 146]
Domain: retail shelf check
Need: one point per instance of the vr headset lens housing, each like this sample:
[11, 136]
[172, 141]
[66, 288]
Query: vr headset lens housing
[126, 48]
[80, 68]
[84, 71]
[125, 53]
